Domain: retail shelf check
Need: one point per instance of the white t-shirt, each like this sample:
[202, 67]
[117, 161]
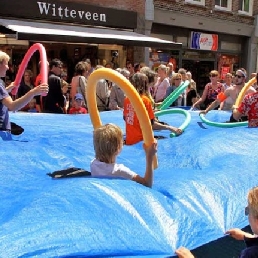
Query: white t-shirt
[103, 169]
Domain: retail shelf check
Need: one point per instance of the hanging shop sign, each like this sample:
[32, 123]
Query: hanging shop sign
[204, 41]
[68, 12]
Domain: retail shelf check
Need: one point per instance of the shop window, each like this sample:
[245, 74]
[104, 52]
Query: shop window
[158, 56]
[227, 64]
[197, 2]
[223, 5]
[246, 7]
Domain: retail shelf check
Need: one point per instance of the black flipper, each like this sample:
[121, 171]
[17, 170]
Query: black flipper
[69, 172]
[16, 129]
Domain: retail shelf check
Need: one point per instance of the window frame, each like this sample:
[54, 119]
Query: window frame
[195, 2]
[228, 8]
[250, 13]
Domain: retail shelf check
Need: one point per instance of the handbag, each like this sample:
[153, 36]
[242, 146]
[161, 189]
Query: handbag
[82, 92]
[103, 102]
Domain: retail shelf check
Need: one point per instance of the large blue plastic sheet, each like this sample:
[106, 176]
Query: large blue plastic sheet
[199, 189]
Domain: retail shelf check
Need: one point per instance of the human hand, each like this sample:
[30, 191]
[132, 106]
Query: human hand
[10, 87]
[183, 252]
[175, 130]
[42, 89]
[236, 233]
[151, 149]
[203, 112]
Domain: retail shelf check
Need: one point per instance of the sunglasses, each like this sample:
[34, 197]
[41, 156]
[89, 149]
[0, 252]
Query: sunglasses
[213, 75]
[239, 76]
[246, 211]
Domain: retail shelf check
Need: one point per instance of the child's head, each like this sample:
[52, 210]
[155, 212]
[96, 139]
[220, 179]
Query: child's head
[78, 100]
[107, 141]
[140, 82]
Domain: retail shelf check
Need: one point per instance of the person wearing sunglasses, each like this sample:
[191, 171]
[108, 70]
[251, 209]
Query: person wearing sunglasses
[251, 240]
[227, 99]
[175, 81]
[248, 107]
[211, 90]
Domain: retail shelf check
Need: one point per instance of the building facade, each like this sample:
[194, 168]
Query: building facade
[216, 34]
[102, 31]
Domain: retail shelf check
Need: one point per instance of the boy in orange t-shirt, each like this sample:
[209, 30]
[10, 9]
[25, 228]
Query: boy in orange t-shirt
[132, 125]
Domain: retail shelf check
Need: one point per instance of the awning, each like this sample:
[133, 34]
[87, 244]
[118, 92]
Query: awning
[36, 31]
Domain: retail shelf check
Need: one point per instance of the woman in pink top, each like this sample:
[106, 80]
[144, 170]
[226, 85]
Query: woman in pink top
[160, 87]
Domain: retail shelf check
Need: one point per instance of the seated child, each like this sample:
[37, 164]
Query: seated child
[32, 106]
[77, 108]
[132, 125]
[108, 143]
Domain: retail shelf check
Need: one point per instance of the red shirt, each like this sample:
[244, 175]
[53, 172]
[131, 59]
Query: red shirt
[132, 124]
[80, 110]
[249, 106]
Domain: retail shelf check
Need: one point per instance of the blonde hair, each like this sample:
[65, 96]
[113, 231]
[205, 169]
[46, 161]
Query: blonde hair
[175, 76]
[64, 83]
[163, 68]
[214, 72]
[107, 141]
[253, 201]
[4, 56]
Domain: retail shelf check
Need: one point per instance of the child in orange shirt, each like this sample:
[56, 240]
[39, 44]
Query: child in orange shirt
[133, 129]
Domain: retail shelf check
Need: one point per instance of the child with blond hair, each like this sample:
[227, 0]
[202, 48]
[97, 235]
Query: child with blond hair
[108, 143]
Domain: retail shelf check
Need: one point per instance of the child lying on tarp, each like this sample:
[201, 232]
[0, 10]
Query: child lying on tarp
[108, 143]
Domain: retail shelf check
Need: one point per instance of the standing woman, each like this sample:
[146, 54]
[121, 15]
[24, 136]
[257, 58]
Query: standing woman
[211, 90]
[176, 81]
[160, 87]
[25, 86]
[26, 83]
[79, 82]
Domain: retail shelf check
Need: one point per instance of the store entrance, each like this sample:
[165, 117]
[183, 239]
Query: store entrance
[200, 72]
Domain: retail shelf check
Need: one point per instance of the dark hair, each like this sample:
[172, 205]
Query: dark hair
[140, 82]
[55, 62]
[149, 73]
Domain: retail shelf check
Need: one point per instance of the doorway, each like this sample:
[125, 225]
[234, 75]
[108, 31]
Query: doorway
[200, 72]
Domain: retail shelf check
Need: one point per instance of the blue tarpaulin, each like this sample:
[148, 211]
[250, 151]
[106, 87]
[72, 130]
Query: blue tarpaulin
[199, 189]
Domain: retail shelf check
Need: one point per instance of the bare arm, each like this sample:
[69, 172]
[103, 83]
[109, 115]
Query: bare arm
[158, 126]
[17, 104]
[238, 234]
[236, 114]
[213, 105]
[202, 98]
[74, 84]
[150, 152]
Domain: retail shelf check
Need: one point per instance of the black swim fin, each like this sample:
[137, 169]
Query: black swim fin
[69, 172]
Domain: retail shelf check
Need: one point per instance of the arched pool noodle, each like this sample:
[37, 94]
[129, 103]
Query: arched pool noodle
[131, 93]
[176, 111]
[24, 63]
[173, 96]
[243, 91]
[223, 125]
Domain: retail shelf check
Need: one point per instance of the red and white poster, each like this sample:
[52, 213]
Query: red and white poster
[224, 71]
